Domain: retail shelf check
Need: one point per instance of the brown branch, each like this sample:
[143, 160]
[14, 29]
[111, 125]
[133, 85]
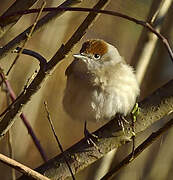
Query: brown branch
[43, 21]
[39, 57]
[11, 153]
[153, 137]
[16, 6]
[113, 13]
[80, 155]
[8, 119]
[153, 108]
[57, 140]
[143, 39]
[43, 64]
[9, 138]
[22, 168]
[28, 37]
[24, 119]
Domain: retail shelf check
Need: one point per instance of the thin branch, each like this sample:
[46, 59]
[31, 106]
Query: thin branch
[16, 6]
[57, 140]
[11, 153]
[28, 37]
[143, 39]
[155, 107]
[143, 60]
[113, 13]
[24, 119]
[43, 21]
[10, 139]
[153, 137]
[8, 119]
[22, 168]
[34, 54]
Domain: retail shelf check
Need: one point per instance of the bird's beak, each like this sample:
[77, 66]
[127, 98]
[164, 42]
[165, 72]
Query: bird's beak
[80, 56]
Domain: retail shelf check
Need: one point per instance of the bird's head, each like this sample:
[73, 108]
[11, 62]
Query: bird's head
[97, 53]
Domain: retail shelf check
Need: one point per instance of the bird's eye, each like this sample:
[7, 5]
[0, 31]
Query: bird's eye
[96, 56]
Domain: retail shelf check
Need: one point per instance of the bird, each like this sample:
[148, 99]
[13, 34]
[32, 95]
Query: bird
[100, 84]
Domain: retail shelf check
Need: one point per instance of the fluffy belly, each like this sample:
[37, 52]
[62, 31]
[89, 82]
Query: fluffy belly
[96, 104]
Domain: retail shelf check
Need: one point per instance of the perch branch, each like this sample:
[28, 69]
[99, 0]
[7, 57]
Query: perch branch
[153, 137]
[155, 107]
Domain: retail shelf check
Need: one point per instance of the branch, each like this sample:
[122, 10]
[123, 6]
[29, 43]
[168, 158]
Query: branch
[57, 139]
[113, 13]
[34, 54]
[28, 37]
[143, 39]
[43, 21]
[8, 119]
[147, 47]
[155, 107]
[16, 6]
[43, 64]
[24, 119]
[153, 137]
[22, 168]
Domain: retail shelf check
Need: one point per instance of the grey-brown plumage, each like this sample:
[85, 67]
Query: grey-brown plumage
[99, 83]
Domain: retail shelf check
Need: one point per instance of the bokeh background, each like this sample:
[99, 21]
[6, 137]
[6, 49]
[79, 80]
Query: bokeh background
[154, 163]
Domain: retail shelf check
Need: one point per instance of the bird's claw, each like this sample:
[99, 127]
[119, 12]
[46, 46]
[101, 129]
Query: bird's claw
[90, 138]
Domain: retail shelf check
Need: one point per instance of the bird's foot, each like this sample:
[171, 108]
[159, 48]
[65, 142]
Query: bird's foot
[90, 138]
[121, 121]
[134, 114]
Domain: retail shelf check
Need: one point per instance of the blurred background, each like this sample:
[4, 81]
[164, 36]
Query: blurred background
[138, 47]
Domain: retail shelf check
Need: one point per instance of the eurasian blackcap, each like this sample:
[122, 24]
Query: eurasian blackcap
[99, 83]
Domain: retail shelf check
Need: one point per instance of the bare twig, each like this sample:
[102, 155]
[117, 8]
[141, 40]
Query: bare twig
[143, 39]
[16, 6]
[153, 137]
[8, 119]
[57, 140]
[22, 168]
[150, 44]
[41, 75]
[11, 153]
[43, 21]
[28, 37]
[24, 119]
[10, 139]
[34, 54]
[9, 133]
[113, 13]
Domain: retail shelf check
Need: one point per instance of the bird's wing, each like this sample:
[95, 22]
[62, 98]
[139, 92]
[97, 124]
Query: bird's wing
[69, 69]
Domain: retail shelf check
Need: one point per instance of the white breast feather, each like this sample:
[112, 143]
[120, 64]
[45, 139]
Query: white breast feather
[116, 95]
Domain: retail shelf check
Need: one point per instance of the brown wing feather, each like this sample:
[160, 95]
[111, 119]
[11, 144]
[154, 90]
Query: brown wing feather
[69, 69]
